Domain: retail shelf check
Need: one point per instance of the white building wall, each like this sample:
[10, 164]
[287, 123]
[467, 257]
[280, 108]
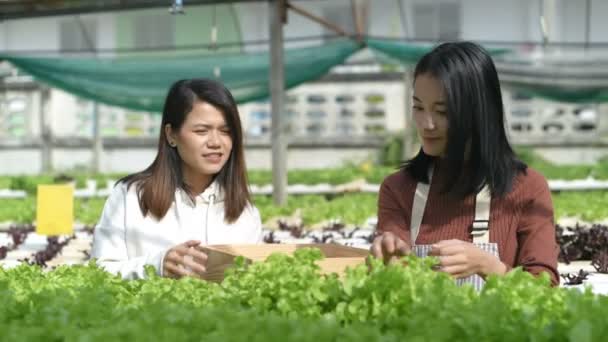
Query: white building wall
[35, 115]
[62, 115]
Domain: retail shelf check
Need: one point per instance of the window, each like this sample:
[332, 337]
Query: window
[316, 114]
[342, 99]
[374, 99]
[84, 117]
[520, 96]
[521, 127]
[133, 125]
[315, 129]
[134, 117]
[374, 113]
[77, 35]
[315, 99]
[521, 112]
[291, 113]
[345, 128]
[13, 122]
[260, 115]
[553, 127]
[258, 130]
[16, 105]
[375, 128]
[346, 113]
[586, 119]
[291, 99]
[109, 131]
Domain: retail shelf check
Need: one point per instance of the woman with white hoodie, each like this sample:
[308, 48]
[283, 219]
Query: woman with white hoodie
[194, 193]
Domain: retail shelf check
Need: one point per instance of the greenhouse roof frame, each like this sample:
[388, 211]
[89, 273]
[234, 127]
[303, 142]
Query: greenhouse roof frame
[21, 9]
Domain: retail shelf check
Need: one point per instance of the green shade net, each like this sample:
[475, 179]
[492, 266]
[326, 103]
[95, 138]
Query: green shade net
[141, 83]
[569, 95]
[410, 53]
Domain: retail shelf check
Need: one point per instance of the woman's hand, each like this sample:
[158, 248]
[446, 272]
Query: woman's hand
[184, 260]
[462, 259]
[389, 247]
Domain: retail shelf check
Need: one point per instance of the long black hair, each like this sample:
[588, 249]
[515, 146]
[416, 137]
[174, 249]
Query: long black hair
[477, 141]
[156, 185]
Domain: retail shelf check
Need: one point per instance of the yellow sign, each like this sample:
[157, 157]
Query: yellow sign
[55, 210]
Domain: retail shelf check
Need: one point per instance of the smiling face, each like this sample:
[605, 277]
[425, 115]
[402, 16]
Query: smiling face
[430, 115]
[203, 142]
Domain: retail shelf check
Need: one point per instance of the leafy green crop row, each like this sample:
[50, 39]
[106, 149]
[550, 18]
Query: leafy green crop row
[371, 173]
[552, 171]
[353, 208]
[590, 206]
[287, 299]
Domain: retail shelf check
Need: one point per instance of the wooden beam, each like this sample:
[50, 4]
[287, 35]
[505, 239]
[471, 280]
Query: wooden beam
[19, 9]
[317, 19]
[357, 20]
[365, 17]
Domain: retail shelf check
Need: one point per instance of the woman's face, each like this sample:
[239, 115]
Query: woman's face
[203, 142]
[430, 115]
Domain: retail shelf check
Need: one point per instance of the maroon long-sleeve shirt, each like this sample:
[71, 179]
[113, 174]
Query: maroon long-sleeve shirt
[521, 222]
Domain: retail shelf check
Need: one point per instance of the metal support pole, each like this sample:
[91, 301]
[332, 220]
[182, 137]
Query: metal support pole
[547, 21]
[410, 145]
[277, 95]
[403, 17]
[97, 141]
[357, 20]
[45, 133]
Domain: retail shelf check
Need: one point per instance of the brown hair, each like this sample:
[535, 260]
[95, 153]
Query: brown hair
[156, 185]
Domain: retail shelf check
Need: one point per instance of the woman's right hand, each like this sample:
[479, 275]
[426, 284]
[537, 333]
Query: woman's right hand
[185, 260]
[389, 247]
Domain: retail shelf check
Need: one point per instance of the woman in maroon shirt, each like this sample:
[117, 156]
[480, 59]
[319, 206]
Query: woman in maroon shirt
[465, 198]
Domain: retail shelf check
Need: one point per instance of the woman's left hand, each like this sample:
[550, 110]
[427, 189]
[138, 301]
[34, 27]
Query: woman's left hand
[461, 259]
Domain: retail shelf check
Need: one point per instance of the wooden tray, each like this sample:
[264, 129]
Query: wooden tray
[337, 257]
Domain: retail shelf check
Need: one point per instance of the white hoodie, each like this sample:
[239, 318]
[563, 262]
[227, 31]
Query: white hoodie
[125, 241]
